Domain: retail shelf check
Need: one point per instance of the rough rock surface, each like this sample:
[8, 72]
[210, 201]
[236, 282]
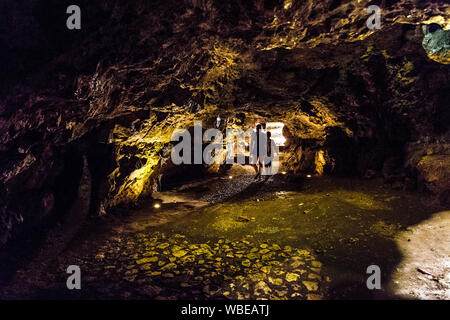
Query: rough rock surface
[425, 271]
[114, 92]
[163, 267]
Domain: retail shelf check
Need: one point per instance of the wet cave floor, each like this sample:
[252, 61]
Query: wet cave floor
[241, 239]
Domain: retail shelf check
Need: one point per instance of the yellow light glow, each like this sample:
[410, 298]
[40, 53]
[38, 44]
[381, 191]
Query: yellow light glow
[157, 206]
[319, 161]
[287, 4]
[308, 176]
[230, 177]
[284, 172]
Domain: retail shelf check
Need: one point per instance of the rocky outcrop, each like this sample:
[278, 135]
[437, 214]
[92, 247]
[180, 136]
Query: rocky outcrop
[434, 171]
[428, 161]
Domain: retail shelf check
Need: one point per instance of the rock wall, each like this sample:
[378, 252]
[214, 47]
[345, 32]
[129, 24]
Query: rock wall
[353, 99]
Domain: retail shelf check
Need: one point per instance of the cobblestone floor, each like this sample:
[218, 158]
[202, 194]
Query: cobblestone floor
[270, 241]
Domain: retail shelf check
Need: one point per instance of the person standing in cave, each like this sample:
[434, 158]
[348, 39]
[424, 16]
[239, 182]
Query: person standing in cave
[257, 142]
[268, 156]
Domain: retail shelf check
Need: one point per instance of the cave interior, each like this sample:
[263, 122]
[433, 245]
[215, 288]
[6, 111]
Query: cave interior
[360, 118]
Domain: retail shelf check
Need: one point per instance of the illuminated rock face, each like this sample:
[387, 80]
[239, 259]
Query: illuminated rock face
[351, 98]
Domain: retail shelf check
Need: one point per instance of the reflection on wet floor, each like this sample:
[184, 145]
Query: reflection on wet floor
[267, 239]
